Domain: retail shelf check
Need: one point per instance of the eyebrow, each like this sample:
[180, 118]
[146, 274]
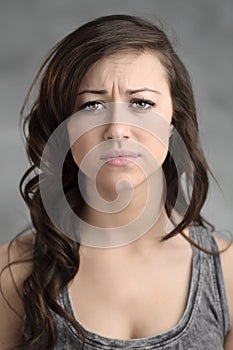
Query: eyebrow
[104, 92]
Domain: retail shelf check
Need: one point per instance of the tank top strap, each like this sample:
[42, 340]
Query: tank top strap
[214, 278]
[205, 321]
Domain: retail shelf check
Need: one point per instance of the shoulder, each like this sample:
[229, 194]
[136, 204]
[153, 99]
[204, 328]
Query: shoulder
[18, 254]
[227, 268]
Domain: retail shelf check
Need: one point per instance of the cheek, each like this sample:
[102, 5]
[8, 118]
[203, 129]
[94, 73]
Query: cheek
[156, 145]
[81, 141]
[84, 151]
[77, 152]
[158, 149]
[81, 147]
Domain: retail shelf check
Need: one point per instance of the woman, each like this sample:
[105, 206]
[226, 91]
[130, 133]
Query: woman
[130, 263]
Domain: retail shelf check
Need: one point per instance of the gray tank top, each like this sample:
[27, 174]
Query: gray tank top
[203, 326]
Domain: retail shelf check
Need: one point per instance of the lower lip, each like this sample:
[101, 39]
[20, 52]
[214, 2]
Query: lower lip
[120, 161]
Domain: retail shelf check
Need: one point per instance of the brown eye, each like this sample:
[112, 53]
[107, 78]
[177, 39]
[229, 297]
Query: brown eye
[92, 106]
[142, 104]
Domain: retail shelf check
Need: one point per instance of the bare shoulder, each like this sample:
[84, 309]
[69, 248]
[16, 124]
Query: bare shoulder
[227, 267]
[18, 254]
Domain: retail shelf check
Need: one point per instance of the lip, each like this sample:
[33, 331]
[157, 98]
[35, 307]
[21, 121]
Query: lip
[119, 157]
[119, 154]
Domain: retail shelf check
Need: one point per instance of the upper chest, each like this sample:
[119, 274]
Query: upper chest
[132, 300]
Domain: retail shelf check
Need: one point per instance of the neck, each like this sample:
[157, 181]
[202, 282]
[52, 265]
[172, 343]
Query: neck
[134, 214]
[109, 208]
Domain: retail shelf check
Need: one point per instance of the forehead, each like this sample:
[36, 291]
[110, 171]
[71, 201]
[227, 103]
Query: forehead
[127, 66]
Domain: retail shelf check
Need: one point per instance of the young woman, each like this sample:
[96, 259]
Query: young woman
[119, 256]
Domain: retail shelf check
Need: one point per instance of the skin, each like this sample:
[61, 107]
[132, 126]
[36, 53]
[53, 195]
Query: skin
[117, 75]
[10, 322]
[132, 265]
[141, 274]
[141, 267]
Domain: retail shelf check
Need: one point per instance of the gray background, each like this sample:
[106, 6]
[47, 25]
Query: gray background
[204, 39]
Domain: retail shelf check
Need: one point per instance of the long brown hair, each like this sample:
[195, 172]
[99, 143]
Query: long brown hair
[56, 261]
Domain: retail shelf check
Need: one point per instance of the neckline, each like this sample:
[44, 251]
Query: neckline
[158, 339]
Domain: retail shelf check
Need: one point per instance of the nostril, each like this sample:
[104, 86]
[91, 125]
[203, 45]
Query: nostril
[117, 131]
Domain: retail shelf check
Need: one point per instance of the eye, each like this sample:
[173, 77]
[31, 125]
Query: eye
[92, 106]
[142, 104]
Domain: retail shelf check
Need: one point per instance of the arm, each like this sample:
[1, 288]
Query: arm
[11, 322]
[229, 341]
[227, 267]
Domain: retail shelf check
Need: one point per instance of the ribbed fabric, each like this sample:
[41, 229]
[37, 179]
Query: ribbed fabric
[203, 326]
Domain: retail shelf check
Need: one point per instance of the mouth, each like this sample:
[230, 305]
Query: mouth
[119, 157]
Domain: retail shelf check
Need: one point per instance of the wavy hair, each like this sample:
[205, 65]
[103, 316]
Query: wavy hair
[56, 261]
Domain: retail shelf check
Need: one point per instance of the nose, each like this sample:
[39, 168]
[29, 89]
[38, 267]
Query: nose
[116, 131]
[117, 128]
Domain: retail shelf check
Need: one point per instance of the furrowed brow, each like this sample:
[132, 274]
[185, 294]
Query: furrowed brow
[131, 92]
[104, 92]
[96, 92]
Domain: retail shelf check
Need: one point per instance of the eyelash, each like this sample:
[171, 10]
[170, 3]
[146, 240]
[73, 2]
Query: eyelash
[148, 102]
[89, 103]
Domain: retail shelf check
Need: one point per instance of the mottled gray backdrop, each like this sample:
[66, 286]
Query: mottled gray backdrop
[203, 31]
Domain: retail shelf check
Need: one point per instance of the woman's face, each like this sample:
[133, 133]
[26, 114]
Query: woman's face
[125, 101]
